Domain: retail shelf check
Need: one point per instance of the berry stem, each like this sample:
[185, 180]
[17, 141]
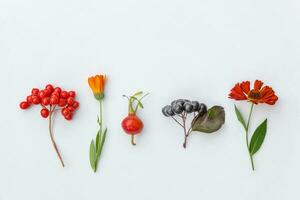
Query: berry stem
[184, 128]
[132, 140]
[52, 138]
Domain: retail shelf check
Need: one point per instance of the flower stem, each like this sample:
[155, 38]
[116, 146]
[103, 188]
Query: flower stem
[100, 122]
[247, 136]
[52, 138]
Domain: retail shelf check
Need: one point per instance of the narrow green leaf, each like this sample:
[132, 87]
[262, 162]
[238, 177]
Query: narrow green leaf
[102, 142]
[138, 93]
[139, 103]
[240, 117]
[93, 155]
[97, 140]
[258, 137]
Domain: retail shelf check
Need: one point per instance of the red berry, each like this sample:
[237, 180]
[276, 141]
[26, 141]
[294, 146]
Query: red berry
[42, 94]
[24, 105]
[75, 104]
[71, 108]
[64, 94]
[53, 100]
[35, 99]
[29, 99]
[70, 101]
[35, 91]
[47, 92]
[62, 102]
[49, 87]
[69, 117]
[132, 125]
[45, 112]
[65, 112]
[46, 101]
[72, 94]
[55, 94]
[57, 89]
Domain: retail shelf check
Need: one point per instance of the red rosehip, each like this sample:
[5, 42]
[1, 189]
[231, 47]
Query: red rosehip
[29, 99]
[62, 102]
[64, 94]
[45, 112]
[70, 101]
[42, 94]
[75, 104]
[35, 100]
[71, 108]
[72, 94]
[69, 117]
[132, 124]
[35, 91]
[53, 100]
[57, 89]
[49, 87]
[24, 105]
[46, 101]
[65, 112]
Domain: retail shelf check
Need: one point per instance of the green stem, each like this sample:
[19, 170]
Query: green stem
[247, 136]
[100, 130]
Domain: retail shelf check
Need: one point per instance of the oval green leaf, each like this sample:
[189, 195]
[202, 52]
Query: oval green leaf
[258, 137]
[211, 121]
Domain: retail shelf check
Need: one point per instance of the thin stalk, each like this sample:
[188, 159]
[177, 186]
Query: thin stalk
[132, 140]
[247, 137]
[52, 138]
[184, 128]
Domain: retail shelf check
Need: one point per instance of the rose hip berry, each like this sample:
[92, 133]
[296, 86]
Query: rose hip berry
[132, 124]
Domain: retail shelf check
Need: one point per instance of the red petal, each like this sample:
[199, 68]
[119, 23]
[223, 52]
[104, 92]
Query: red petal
[258, 84]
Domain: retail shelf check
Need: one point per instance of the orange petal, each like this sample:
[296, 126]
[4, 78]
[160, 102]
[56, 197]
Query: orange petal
[91, 81]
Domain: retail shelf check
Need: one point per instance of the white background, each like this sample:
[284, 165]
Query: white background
[172, 49]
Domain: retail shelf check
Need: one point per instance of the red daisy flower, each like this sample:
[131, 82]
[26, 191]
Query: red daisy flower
[242, 91]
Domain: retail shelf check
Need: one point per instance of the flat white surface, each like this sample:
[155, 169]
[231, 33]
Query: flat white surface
[172, 49]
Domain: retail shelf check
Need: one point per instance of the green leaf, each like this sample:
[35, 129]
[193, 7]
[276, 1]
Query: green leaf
[139, 103]
[93, 155]
[102, 140]
[97, 140]
[240, 117]
[258, 137]
[138, 93]
[211, 121]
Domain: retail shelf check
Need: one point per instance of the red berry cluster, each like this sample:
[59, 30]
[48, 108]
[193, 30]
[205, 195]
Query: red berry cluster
[49, 98]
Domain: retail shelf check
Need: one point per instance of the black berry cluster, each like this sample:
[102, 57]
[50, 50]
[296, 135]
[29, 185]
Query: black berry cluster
[182, 106]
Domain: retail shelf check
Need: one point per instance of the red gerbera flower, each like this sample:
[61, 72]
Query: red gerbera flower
[242, 91]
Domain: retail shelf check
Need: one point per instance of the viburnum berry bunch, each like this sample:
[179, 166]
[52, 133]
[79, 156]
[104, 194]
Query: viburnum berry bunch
[52, 99]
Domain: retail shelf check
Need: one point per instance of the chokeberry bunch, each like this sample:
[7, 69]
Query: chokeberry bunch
[203, 120]
[52, 99]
